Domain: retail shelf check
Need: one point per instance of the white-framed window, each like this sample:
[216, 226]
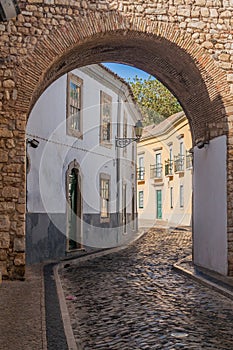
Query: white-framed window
[181, 196]
[158, 165]
[74, 105]
[105, 118]
[181, 148]
[170, 153]
[133, 147]
[140, 199]
[125, 132]
[104, 197]
[141, 169]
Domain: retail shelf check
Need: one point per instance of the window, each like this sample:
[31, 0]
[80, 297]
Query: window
[158, 165]
[181, 148]
[125, 133]
[156, 170]
[181, 196]
[105, 117]
[171, 197]
[74, 101]
[169, 162]
[189, 159]
[140, 199]
[141, 169]
[170, 153]
[133, 147]
[104, 196]
[179, 160]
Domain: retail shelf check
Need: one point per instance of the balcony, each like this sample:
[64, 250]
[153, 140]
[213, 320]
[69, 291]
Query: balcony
[141, 173]
[189, 160]
[179, 163]
[168, 168]
[156, 171]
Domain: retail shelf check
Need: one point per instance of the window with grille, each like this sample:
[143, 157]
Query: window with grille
[104, 197]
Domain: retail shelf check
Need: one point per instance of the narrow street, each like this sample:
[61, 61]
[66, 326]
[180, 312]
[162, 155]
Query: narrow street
[135, 300]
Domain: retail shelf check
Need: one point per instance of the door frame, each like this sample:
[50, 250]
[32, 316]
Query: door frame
[161, 206]
[79, 210]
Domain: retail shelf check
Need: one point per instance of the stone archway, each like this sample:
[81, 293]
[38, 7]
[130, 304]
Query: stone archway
[163, 51]
[159, 48]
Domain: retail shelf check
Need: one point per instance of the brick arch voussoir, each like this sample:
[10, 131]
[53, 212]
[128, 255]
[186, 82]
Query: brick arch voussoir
[50, 51]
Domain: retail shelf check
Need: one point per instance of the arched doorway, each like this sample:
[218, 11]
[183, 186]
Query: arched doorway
[74, 207]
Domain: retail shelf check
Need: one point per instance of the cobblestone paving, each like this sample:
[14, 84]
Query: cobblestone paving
[133, 299]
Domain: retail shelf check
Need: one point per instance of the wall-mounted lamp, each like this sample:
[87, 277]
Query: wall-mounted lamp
[33, 143]
[125, 141]
[200, 143]
[203, 141]
[8, 9]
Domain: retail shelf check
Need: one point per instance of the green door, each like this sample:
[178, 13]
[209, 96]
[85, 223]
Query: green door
[158, 204]
[74, 212]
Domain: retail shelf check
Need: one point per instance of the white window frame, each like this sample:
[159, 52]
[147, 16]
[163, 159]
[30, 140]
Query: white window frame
[70, 130]
[106, 216]
[140, 199]
[104, 119]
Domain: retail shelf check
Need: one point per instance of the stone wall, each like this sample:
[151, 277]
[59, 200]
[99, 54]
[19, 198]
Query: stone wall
[187, 44]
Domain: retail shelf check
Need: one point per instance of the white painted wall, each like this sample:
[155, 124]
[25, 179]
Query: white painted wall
[49, 162]
[210, 206]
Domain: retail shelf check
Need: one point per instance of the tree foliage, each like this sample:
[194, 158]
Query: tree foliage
[154, 99]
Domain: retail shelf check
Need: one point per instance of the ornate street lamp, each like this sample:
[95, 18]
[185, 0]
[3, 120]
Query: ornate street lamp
[125, 141]
[8, 9]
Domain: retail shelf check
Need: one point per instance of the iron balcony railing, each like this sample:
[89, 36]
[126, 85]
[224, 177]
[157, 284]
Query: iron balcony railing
[156, 171]
[168, 167]
[179, 163]
[189, 160]
[141, 173]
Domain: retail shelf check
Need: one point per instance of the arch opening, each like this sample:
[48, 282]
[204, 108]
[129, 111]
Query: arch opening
[191, 76]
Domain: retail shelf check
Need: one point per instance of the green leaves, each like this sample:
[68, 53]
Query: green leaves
[154, 99]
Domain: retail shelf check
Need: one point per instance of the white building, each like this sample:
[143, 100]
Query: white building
[81, 188]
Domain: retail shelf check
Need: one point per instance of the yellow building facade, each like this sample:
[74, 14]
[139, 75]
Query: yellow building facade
[164, 176]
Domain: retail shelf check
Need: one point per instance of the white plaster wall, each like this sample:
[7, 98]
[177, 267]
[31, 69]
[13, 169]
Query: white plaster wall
[49, 162]
[210, 206]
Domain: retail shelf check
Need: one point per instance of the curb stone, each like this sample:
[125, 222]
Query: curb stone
[64, 312]
[43, 312]
[71, 342]
[204, 281]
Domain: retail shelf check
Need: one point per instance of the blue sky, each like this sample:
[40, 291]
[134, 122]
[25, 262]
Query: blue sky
[125, 71]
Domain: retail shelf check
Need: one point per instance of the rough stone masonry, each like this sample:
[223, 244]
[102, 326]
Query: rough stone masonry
[187, 44]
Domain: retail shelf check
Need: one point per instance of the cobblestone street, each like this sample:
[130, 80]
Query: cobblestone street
[133, 299]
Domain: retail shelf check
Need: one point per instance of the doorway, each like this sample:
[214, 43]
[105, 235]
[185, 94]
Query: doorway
[158, 204]
[124, 209]
[74, 211]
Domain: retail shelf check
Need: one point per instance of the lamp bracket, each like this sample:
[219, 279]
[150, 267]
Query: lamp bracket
[125, 141]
